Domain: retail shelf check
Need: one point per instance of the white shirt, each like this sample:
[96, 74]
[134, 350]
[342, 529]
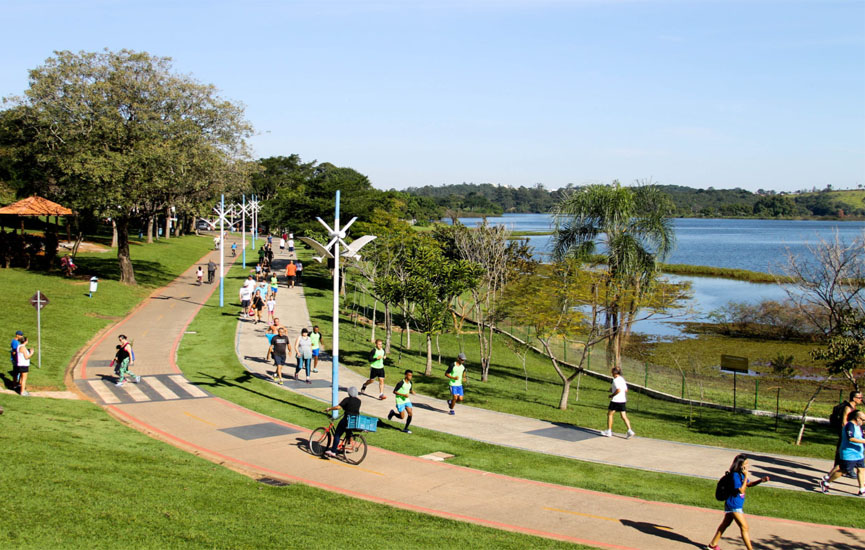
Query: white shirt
[246, 293]
[619, 384]
[23, 361]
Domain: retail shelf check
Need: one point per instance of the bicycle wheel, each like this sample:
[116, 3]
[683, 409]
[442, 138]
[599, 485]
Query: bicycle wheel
[319, 441]
[354, 448]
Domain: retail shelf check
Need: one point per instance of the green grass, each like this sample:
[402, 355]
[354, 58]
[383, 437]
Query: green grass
[71, 318]
[73, 477]
[211, 362]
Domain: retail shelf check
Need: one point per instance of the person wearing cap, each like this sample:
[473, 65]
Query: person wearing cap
[456, 375]
[351, 406]
[13, 351]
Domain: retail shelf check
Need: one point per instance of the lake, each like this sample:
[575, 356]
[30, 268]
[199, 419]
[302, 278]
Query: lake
[755, 245]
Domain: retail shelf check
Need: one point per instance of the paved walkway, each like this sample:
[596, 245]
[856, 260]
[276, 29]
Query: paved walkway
[187, 416]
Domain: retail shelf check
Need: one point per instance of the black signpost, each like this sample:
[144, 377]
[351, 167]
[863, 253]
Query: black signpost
[734, 364]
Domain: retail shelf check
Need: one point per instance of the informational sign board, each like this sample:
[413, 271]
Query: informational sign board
[734, 363]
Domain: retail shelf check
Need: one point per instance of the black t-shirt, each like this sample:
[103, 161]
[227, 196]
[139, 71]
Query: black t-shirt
[279, 344]
[351, 405]
[122, 353]
[257, 302]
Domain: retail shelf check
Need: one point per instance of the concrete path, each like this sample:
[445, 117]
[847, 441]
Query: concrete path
[788, 472]
[167, 406]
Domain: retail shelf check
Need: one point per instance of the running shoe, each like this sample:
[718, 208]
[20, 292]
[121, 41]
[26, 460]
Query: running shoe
[406, 431]
[25, 393]
[329, 453]
[314, 370]
[137, 379]
[824, 485]
[451, 412]
[607, 433]
[382, 397]
[119, 384]
[710, 547]
[630, 434]
[389, 415]
[861, 493]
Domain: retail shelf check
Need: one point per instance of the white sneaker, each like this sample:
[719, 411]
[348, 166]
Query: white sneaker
[607, 433]
[630, 434]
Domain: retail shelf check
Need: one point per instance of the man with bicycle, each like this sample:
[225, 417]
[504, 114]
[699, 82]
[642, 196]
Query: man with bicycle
[350, 406]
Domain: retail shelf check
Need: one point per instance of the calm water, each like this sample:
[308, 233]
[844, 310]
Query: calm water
[755, 245]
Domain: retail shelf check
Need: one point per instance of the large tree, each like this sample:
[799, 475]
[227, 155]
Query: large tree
[632, 228]
[123, 133]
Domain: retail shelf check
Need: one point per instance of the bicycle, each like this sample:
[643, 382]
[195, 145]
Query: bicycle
[352, 446]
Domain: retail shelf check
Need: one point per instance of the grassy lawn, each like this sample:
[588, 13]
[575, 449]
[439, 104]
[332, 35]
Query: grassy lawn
[535, 392]
[76, 478]
[71, 318]
[212, 363]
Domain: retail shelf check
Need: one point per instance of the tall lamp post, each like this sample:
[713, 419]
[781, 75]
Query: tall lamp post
[333, 250]
[221, 213]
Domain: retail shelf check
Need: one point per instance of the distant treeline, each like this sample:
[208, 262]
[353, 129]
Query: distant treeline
[488, 199]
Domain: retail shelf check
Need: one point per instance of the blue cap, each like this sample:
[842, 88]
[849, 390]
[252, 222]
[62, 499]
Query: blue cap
[19, 333]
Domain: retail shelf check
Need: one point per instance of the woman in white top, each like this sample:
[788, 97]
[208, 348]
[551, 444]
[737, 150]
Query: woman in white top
[23, 367]
[618, 400]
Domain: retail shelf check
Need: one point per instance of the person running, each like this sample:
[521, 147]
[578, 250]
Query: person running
[351, 406]
[290, 273]
[402, 396]
[376, 369]
[257, 305]
[618, 400]
[456, 375]
[279, 349]
[123, 361]
[23, 365]
[303, 353]
[735, 502]
[315, 337]
[852, 453]
[199, 275]
[838, 423]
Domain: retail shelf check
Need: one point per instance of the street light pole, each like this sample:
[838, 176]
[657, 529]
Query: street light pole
[243, 225]
[336, 254]
[221, 253]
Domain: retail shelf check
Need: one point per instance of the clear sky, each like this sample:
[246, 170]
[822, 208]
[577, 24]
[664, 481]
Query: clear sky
[752, 94]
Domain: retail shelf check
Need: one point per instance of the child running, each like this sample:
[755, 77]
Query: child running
[402, 393]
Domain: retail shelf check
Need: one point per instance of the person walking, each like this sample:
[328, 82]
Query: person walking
[281, 245]
[257, 305]
[123, 361]
[351, 407]
[852, 454]
[211, 272]
[736, 501]
[271, 307]
[456, 375]
[376, 369]
[274, 284]
[290, 243]
[246, 296]
[315, 337]
[279, 349]
[618, 400]
[299, 271]
[303, 353]
[199, 275]
[402, 396]
[22, 367]
[290, 272]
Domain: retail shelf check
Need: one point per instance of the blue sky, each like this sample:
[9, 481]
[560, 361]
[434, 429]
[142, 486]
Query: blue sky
[752, 94]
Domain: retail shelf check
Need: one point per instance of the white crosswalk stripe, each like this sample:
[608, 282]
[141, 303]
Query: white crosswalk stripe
[160, 388]
[192, 390]
[134, 392]
[102, 391]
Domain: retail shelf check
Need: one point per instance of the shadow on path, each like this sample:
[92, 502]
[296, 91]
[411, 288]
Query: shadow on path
[660, 531]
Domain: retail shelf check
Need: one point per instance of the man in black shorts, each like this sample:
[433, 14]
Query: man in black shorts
[351, 406]
[279, 349]
[376, 369]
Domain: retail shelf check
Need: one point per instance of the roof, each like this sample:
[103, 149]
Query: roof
[35, 206]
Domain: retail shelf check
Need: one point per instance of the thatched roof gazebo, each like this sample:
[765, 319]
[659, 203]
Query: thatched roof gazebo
[34, 206]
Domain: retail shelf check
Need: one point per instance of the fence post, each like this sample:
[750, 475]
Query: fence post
[734, 391]
[589, 360]
[565, 348]
[683, 386]
[777, 407]
[646, 368]
[756, 391]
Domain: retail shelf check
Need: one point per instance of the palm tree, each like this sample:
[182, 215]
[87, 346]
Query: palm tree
[632, 228]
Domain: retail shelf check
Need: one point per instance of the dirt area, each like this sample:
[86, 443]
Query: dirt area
[85, 247]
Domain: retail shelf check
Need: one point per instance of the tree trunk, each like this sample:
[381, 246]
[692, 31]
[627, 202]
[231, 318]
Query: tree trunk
[372, 329]
[388, 328]
[149, 229]
[167, 222]
[820, 387]
[566, 390]
[127, 274]
[178, 227]
[428, 370]
[114, 243]
[407, 330]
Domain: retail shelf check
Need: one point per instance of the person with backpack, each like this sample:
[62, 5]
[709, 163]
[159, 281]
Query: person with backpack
[852, 453]
[837, 421]
[732, 487]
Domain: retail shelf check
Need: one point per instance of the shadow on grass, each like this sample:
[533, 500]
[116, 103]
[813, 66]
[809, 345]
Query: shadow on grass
[147, 273]
[853, 541]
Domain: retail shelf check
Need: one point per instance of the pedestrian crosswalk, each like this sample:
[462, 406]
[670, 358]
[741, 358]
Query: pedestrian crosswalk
[162, 387]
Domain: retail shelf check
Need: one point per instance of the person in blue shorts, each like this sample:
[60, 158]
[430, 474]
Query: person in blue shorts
[852, 453]
[315, 337]
[736, 501]
[456, 375]
[402, 393]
